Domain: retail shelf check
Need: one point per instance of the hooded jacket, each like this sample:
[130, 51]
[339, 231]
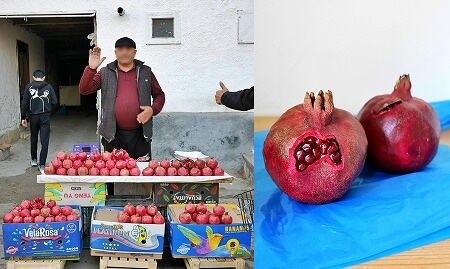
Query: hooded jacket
[38, 98]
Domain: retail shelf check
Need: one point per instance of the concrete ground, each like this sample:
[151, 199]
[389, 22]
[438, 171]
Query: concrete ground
[18, 179]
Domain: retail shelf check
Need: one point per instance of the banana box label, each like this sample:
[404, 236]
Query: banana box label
[84, 194]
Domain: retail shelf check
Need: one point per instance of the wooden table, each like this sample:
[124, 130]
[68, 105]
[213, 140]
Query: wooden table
[436, 255]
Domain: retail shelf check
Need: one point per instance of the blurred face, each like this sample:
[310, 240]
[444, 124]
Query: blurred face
[125, 55]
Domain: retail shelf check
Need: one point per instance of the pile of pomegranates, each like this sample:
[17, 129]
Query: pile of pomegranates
[140, 214]
[115, 163]
[201, 215]
[37, 211]
[185, 167]
[403, 131]
[315, 151]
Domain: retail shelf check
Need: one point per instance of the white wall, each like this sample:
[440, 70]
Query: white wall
[358, 49]
[9, 89]
[189, 73]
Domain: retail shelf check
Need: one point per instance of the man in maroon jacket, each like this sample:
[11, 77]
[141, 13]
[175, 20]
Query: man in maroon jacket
[130, 97]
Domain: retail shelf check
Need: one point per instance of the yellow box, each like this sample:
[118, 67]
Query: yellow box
[83, 194]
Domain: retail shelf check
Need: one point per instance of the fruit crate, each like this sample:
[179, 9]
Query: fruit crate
[246, 204]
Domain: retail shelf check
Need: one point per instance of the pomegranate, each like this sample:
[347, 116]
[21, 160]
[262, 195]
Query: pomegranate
[121, 164]
[148, 171]
[28, 219]
[35, 212]
[212, 163]
[123, 217]
[315, 151]
[59, 218]
[77, 164]
[72, 217]
[38, 203]
[39, 219]
[214, 219]
[176, 163]
[16, 211]
[61, 171]
[49, 219]
[207, 171]
[202, 208]
[136, 219]
[113, 172]
[57, 163]
[188, 163]
[219, 210]
[129, 209]
[172, 171]
[61, 155]
[226, 219]
[219, 171]
[89, 164]
[200, 164]
[25, 204]
[100, 164]
[185, 218]
[51, 204]
[45, 211]
[66, 210]
[73, 156]
[55, 211]
[202, 218]
[146, 219]
[82, 156]
[83, 171]
[135, 172]
[165, 163]
[71, 171]
[49, 169]
[190, 208]
[105, 171]
[141, 210]
[67, 163]
[131, 163]
[195, 172]
[126, 155]
[158, 219]
[153, 164]
[403, 131]
[152, 210]
[183, 171]
[124, 172]
[17, 219]
[106, 156]
[160, 171]
[194, 216]
[25, 213]
[110, 164]
[8, 218]
[95, 156]
[119, 154]
[95, 172]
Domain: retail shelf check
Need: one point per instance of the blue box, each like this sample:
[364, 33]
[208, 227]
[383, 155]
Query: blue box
[209, 241]
[88, 148]
[61, 240]
[107, 234]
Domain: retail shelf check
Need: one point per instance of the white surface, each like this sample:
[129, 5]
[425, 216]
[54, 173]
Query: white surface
[190, 154]
[132, 179]
[9, 92]
[188, 73]
[358, 49]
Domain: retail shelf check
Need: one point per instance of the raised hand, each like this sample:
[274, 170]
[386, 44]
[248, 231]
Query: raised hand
[94, 58]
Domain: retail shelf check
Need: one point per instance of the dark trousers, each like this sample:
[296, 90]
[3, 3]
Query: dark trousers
[40, 124]
[133, 142]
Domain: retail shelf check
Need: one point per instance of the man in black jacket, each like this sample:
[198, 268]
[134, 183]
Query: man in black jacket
[38, 98]
[240, 100]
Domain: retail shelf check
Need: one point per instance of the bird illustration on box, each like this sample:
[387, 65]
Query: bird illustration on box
[200, 244]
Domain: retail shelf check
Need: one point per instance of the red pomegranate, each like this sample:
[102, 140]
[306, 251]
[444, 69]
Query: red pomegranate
[315, 151]
[403, 131]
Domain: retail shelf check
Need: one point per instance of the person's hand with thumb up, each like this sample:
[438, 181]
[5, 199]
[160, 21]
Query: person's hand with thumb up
[220, 92]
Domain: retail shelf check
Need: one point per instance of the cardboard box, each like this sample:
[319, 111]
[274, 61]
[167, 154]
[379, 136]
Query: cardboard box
[48, 240]
[84, 194]
[182, 193]
[209, 241]
[111, 236]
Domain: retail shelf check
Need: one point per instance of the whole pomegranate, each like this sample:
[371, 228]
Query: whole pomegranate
[315, 151]
[403, 131]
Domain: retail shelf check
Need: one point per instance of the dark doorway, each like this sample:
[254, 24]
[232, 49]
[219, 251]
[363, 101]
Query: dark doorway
[24, 66]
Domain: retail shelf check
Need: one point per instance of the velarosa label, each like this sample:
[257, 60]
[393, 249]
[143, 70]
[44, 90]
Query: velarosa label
[40, 233]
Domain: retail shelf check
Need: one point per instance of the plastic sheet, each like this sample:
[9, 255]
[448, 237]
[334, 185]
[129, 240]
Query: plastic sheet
[443, 110]
[381, 215]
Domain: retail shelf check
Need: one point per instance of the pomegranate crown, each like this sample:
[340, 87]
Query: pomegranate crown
[320, 106]
[402, 88]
